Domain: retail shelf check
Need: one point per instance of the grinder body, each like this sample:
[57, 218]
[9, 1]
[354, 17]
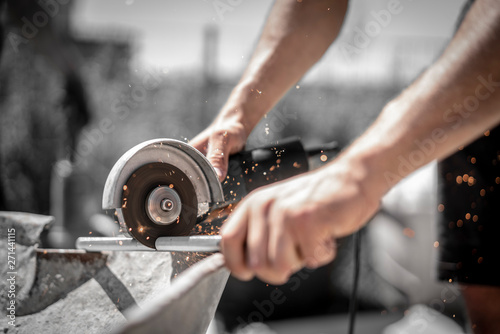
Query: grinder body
[164, 187]
[249, 170]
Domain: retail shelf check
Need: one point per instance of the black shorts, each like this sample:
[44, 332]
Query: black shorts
[469, 222]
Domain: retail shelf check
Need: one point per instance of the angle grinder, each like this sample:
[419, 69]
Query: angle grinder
[162, 188]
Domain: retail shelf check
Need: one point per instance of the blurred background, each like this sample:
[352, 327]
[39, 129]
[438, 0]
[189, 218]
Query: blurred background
[82, 81]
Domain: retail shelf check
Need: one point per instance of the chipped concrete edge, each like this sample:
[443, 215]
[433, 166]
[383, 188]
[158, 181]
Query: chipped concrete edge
[189, 303]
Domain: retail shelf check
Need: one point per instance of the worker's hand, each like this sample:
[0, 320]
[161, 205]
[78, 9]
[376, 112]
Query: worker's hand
[225, 136]
[277, 230]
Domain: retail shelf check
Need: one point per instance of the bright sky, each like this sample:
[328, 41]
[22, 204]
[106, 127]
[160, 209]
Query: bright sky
[169, 33]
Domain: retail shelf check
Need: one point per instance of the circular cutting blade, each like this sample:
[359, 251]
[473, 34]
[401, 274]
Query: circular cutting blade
[143, 200]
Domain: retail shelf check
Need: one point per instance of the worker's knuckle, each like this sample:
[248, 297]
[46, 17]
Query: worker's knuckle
[324, 253]
[282, 266]
[230, 238]
[333, 254]
[301, 220]
[307, 251]
[302, 223]
[311, 263]
[231, 241]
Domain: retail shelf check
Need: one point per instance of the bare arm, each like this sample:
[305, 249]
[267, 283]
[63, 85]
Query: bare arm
[455, 101]
[278, 229]
[295, 36]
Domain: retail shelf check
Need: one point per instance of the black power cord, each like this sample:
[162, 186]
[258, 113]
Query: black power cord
[353, 302]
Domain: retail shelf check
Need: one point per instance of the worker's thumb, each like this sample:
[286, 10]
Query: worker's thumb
[218, 152]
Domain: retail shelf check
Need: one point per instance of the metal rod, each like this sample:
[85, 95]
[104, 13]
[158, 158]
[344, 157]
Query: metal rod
[194, 243]
[99, 244]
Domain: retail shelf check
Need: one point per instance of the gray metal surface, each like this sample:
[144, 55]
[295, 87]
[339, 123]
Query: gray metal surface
[194, 243]
[103, 244]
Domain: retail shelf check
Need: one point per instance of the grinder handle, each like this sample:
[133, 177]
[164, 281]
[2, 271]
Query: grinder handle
[254, 168]
[258, 167]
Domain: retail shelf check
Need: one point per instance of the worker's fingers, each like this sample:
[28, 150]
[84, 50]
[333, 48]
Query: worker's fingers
[316, 245]
[200, 142]
[218, 150]
[257, 238]
[234, 234]
[283, 256]
[224, 137]
[323, 253]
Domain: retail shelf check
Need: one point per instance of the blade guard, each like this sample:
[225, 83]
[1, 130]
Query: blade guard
[185, 157]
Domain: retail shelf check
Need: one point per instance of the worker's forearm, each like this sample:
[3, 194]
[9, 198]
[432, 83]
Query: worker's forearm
[455, 101]
[295, 36]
